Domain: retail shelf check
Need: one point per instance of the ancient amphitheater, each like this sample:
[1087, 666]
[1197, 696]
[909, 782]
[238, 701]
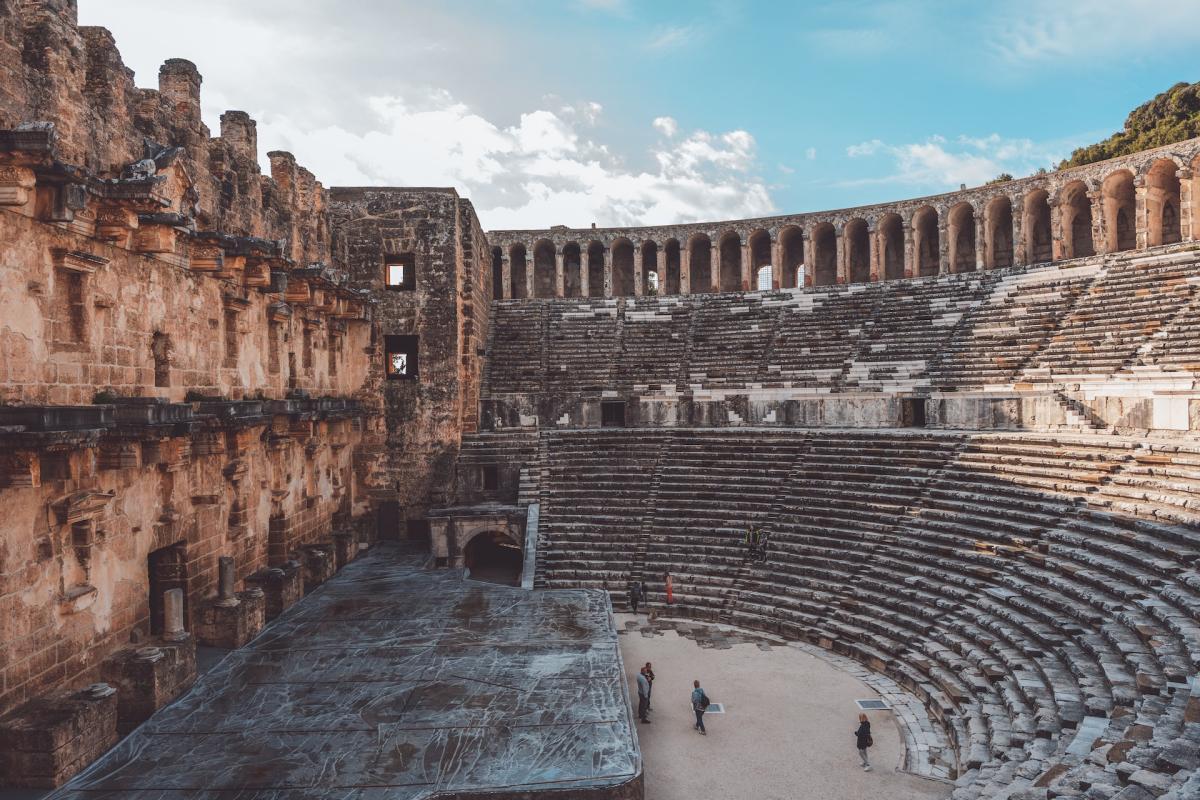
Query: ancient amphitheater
[250, 419]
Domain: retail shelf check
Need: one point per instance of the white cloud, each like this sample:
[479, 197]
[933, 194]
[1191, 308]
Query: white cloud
[544, 169]
[1034, 32]
[674, 37]
[811, 154]
[667, 126]
[937, 163]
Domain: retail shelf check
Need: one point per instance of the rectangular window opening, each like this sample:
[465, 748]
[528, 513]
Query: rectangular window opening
[401, 354]
[612, 413]
[400, 272]
[489, 477]
[912, 412]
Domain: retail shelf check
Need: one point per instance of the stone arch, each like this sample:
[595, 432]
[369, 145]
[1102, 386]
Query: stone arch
[1075, 219]
[497, 273]
[999, 252]
[890, 234]
[960, 231]
[516, 262]
[1036, 228]
[856, 238]
[700, 263]
[731, 262]
[650, 268]
[1120, 211]
[670, 275]
[595, 269]
[926, 247]
[760, 256]
[1162, 203]
[791, 253]
[824, 240]
[622, 268]
[493, 556]
[544, 280]
[572, 270]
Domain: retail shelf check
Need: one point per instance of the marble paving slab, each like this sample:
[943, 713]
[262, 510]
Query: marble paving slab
[393, 681]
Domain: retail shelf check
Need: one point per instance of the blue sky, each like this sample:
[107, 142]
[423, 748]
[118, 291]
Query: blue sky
[623, 112]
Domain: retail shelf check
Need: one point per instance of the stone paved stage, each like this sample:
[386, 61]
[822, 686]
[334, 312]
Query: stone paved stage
[394, 682]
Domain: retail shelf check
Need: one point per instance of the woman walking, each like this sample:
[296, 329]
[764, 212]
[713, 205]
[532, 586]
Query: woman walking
[670, 588]
[863, 740]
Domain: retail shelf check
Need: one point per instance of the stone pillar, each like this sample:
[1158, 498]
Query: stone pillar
[943, 244]
[714, 266]
[530, 278]
[983, 246]
[559, 274]
[810, 260]
[1020, 246]
[749, 273]
[1188, 229]
[506, 276]
[226, 596]
[608, 272]
[1141, 214]
[843, 257]
[173, 629]
[1099, 223]
[776, 264]
[910, 252]
[685, 269]
[638, 271]
[1056, 230]
[876, 254]
[584, 269]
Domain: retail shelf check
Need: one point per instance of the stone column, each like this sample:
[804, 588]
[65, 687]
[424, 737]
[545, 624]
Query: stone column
[226, 594]
[876, 254]
[608, 272]
[843, 257]
[530, 282]
[943, 245]
[1020, 246]
[685, 269]
[776, 264]
[559, 274]
[714, 266]
[749, 273]
[1188, 229]
[638, 274]
[584, 269]
[983, 247]
[810, 260]
[1141, 214]
[1056, 230]
[173, 630]
[910, 252]
[506, 276]
[1099, 223]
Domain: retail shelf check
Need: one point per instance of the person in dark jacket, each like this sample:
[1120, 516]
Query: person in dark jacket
[643, 685]
[699, 705]
[635, 595]
[862, 738]
[648, 671]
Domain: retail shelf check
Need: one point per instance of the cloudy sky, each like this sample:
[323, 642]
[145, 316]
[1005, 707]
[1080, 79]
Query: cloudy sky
[625, 112]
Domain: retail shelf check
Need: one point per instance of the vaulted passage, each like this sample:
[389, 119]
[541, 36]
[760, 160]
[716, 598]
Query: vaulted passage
[891, 246]
[925, 241]
[1037, 228]
[824, 255]
[1120, 209]
[1076, 211]
[493, 557]
[700, 266]
[731, 263]
[858, 250]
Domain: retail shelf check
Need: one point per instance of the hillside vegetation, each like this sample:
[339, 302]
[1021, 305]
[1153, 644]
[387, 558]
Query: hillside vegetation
[1170, 117]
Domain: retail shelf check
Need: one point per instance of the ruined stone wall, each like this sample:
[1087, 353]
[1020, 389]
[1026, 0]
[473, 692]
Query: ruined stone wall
[446, 308]
[181, 370]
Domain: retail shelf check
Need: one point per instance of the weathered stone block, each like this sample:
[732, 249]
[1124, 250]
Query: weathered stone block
[345, 547]
[231, 626]
[282, 586]
[46, 741]
[319, 565]
[148, 677]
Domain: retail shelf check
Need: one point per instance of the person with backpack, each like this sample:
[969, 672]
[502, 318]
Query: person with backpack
[700, 704]
[648, 671]
[863, 740]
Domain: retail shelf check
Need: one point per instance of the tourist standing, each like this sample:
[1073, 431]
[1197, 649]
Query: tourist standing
[643, 685]
[863, 740]
[699, 705]
[670, 592]
[648, 671]
[635, 595]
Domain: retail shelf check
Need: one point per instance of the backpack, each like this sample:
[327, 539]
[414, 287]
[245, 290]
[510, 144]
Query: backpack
[870, 741]
[704, 701]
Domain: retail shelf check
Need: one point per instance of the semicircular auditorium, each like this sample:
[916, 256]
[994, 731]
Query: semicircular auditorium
[963, 431]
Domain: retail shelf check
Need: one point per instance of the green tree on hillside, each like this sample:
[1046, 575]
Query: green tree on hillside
[1170, 117]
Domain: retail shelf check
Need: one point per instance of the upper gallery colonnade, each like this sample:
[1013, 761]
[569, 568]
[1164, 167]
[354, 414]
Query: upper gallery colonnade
[1127, 203]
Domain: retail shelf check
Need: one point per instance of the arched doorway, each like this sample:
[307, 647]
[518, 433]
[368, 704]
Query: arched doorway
[731, 262]
[572, 278]
[825, 255]
[1162, 203]
[857, 240]
[926, 247]
[544, 268]
[961, 234]
[1076, 210]
[891, 246]
[700, 263]
[1119, 211]
[1038, 249]
[494, 557]
[792, 244]
[999, 252]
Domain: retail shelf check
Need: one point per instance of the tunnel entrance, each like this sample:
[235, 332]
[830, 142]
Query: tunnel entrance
[494, 557]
